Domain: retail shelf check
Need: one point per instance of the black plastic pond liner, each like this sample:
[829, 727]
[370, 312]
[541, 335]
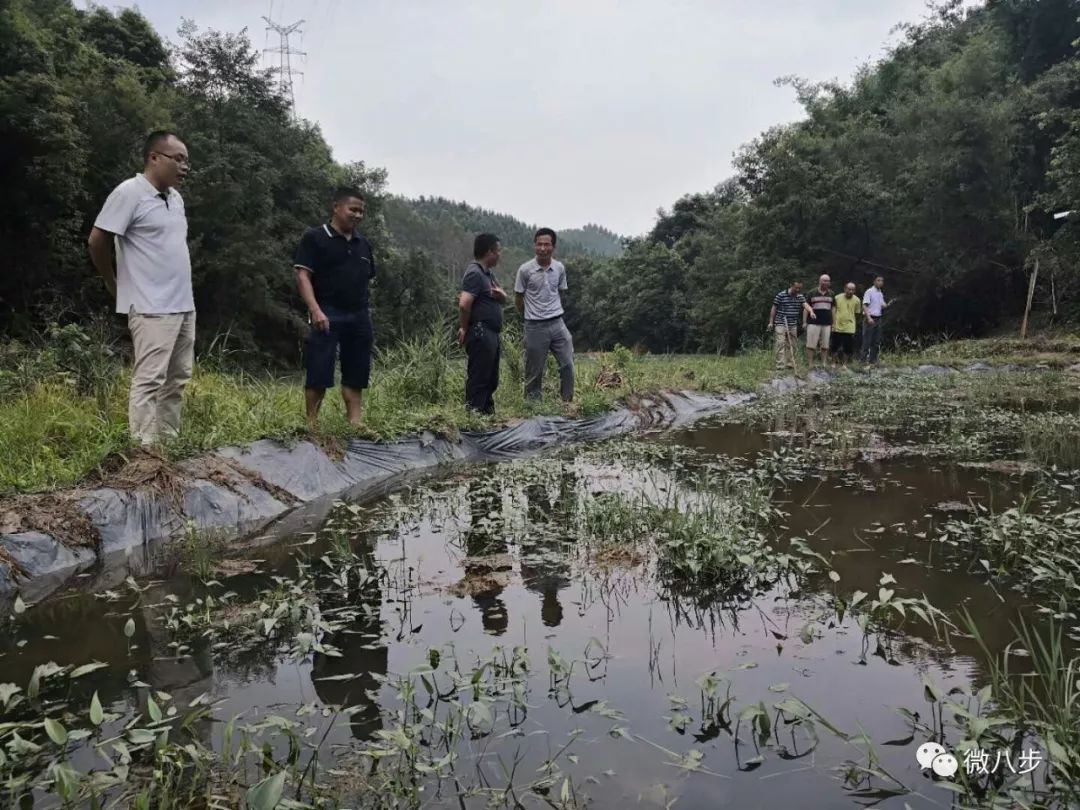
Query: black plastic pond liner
[133, 525]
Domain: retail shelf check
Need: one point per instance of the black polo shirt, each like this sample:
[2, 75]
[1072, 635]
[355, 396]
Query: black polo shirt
[340, 268]
[478, 281]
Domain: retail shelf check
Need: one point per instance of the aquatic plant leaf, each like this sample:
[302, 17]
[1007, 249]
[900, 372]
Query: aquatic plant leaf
[97, 714]
[56, 731]
[141, 736]
[86, 669]
[266, 794]
[129, 628]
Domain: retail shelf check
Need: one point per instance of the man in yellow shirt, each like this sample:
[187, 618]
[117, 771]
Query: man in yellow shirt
[848, 307]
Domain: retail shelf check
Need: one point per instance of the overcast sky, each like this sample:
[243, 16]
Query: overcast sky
[559, 112]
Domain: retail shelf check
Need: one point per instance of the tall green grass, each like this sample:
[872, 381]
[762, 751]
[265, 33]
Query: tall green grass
[55, 429]
[1040, 696]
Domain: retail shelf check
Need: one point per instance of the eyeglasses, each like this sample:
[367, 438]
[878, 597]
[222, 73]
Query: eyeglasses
[180, 160]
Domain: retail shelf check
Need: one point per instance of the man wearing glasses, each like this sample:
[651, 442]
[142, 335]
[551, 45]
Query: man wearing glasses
[144, 216]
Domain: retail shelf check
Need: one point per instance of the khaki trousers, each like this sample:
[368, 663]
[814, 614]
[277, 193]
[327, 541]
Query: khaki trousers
[786, 341]
[164, 355]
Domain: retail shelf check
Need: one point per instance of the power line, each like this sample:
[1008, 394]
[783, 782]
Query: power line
[285, 53]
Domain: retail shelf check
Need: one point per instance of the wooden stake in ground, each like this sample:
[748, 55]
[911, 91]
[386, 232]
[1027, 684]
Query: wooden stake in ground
[1031, 294]
[791, 347]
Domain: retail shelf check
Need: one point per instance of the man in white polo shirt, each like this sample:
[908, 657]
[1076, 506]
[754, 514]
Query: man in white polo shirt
[145, 218]
[537, 296]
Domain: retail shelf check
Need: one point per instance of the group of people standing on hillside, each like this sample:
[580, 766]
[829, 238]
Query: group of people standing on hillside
[144, 219]
[830, 322]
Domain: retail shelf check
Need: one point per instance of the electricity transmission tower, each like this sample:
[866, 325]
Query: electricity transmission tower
[285, 53]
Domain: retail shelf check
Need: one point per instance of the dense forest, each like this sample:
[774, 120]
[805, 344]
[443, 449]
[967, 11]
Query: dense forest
[79, 90]
[940, 166]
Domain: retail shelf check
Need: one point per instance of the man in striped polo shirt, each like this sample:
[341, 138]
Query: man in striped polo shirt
[818, 333]
[787, 309]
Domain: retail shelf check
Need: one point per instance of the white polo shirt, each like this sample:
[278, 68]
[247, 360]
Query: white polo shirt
[153, 266]
[541, 287]
[874, 301]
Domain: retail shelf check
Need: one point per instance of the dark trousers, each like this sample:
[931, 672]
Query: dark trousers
[843, 345]
[871, 339]
[350, 334]
[483, 348]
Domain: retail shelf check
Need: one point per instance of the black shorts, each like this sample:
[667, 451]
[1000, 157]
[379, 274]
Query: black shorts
[351, 331]
[843, 343]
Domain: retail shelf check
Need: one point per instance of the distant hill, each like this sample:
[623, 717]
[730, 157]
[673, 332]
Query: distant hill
[445, 229]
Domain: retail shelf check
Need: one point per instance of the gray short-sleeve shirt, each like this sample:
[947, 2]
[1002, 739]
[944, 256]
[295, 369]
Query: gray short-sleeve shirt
[153, 266]
[541, 287]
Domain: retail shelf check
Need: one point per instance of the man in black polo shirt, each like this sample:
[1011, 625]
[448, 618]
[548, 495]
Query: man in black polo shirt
[480, 321]
[334, 265]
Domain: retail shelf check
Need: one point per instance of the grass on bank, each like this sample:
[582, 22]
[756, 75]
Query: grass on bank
[63, 406]
[57, 428]
[1056, 350]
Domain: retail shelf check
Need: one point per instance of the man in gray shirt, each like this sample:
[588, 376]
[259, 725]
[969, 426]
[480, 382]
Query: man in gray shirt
[145, 218]
[536, 293]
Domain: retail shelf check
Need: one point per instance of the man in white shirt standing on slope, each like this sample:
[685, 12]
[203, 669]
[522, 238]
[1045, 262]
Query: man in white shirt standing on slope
[145, 217]
[537, 296]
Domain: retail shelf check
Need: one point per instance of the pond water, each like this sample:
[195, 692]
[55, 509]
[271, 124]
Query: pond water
[614, 704]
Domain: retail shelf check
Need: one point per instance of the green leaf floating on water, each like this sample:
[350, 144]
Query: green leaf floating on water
[266, 794]
[86, 669]
[141, 736]
[97, 714]
[57, 733]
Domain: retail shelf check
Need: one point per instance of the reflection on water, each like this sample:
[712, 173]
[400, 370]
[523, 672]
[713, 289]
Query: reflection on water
[491, 555]
[545, 568]
[362, 655]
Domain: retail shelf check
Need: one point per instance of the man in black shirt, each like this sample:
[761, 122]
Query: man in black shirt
[334, 265]
[480, 321]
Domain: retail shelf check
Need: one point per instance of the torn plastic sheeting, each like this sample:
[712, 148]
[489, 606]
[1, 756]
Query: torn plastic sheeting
[370, 462]
[239, 506]
[129, 519]
[45, 564]
[301, 469]
[689, 406]
[530, 435]
[526, 436]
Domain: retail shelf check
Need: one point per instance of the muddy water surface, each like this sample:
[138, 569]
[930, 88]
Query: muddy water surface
[481, 560]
